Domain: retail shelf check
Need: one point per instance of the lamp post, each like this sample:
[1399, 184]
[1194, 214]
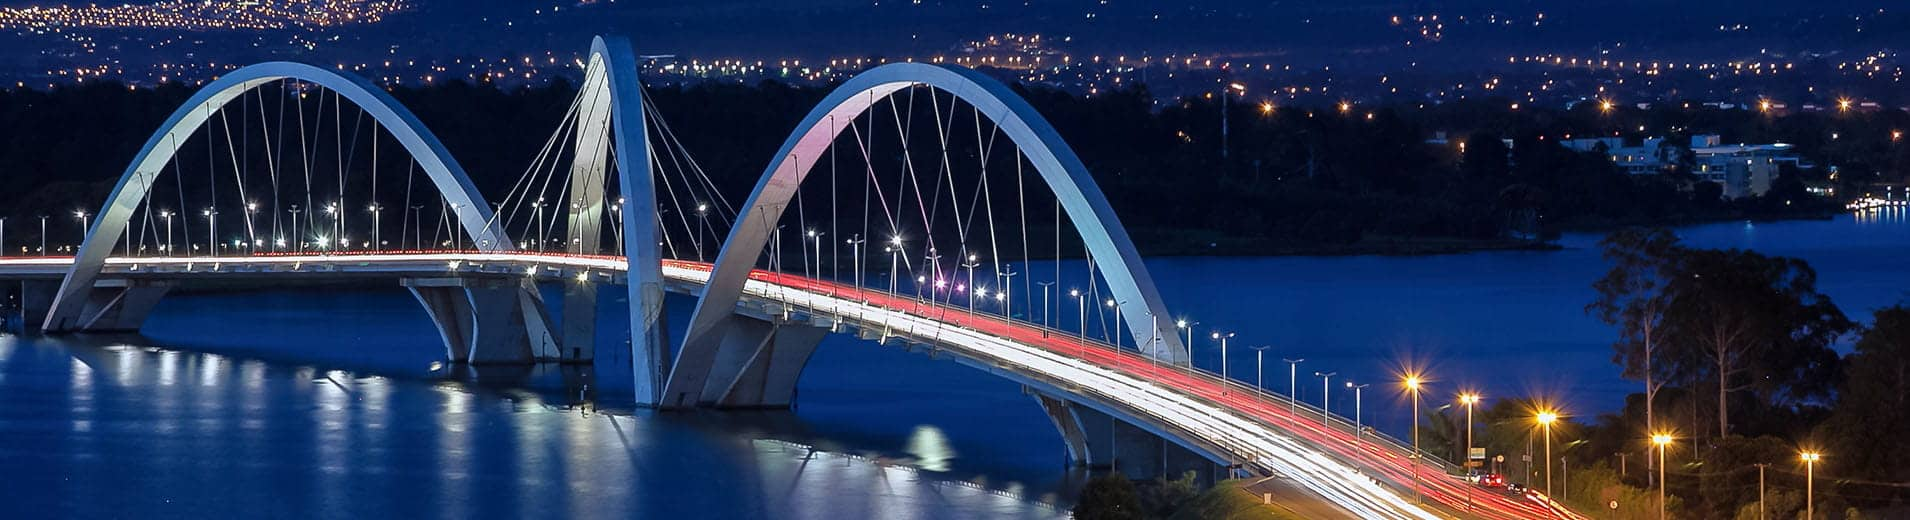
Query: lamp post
[1045, 306]
[167, 216]
[1760, 489]
[1545, 419]
[1082, 303]
[1293, 388]
[1810, 459]
[212, 230]
[1469, 399]
[1412, 386]
[1189, 326]
[251, 234]
[1661, 440]
[1223, 359]
[1116, 307]
[972, 263]
[1326, 390]
[817, 237]
[377, 225]
[1260, 368]
[1006, 295]
[855, 260]
[84, 223]
[1358, 429]
[298, 240]
[702, 222]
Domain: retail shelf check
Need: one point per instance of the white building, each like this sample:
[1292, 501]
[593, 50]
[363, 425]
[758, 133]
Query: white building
[1743, 169]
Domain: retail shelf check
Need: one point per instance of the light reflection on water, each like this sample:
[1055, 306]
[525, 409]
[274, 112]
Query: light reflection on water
[94, 427]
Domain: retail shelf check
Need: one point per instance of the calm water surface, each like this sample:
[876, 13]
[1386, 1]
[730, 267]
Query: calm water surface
[331, 403]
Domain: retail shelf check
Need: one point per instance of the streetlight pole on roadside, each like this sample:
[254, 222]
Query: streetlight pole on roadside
[1358, 429]
[1546, 418]
[1189, 327]
[1326, 391]
[1223, 337]
[1412, 385]
[1661, 440]
[1810, 459]
[1760, 489]
[1260, 368]
[1293, 388]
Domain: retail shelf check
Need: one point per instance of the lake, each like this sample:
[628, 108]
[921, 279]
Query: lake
[334, 403]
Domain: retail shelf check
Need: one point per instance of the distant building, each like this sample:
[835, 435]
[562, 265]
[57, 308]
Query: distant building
[1743, 169]
[1652, 157]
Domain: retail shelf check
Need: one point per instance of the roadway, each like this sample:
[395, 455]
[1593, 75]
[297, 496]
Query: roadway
[1366, 475]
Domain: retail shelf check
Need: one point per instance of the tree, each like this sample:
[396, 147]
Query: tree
[1632, 296]
[1485, 156]
[1163, 497]
[1109, 497]
[1872, 414]
[1744, 321]
[1730, 477]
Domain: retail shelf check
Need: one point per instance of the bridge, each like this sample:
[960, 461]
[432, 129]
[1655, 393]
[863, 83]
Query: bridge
[1125, 396]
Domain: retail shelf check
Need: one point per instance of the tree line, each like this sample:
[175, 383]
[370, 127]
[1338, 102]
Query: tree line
[1284, 179]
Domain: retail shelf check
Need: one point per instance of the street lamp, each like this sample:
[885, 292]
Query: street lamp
[1293, 388]
[1413, 383]
[1358, 429]
[1469, 399]
[84, 223]
[1189, 327]
[1260, 368]
[1082, 303]
[1546, 418]
[1810, 459]
[1223, 359]
[1326, 390]
[212, 230]
[1661, 440]
[167, 216]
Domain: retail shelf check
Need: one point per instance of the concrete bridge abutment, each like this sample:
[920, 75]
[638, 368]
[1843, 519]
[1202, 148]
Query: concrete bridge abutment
[112, 305]
[1102, 442]
[486, 320]
[760, 363]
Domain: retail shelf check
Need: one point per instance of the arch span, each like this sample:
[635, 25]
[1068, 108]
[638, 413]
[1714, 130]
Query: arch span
[611, 120]
[1044, 148]
[113, 217]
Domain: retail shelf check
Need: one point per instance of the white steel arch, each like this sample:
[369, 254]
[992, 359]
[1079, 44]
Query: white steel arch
[613, 107]
[114, 216]
[1058, 165]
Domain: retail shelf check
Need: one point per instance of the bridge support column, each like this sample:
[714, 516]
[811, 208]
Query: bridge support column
[1068, 423]
[580, 323]
[35, 298]
[482, 320]
[117, 305]
[761, 362]
[1115, 445]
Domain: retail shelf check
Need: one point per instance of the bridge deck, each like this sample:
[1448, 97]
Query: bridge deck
[1365, 473]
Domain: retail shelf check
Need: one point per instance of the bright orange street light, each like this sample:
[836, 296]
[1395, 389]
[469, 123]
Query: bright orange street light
[1412, 383]
[1661, 440]
[1545, 419]
[1810, 459]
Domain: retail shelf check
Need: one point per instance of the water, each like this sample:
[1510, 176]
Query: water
[330, 402]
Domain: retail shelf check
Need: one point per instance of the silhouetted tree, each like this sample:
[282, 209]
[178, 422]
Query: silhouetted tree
[1109, 497]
